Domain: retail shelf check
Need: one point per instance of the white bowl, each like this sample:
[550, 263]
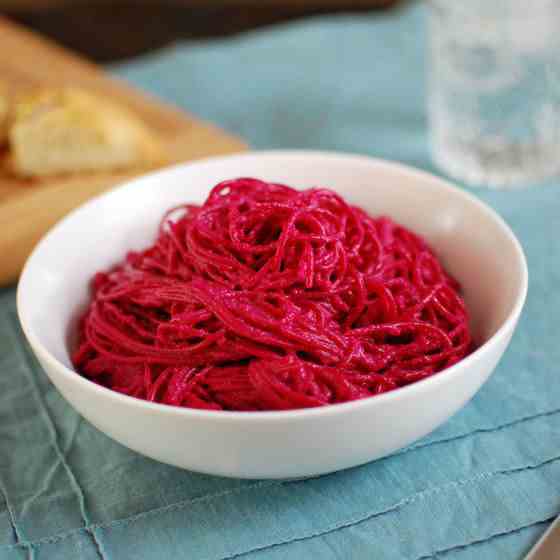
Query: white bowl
[473, 241]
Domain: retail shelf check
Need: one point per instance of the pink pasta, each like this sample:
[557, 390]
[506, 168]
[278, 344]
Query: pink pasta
[269, 298]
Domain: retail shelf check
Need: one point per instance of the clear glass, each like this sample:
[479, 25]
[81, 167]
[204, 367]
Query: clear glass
[494, 99]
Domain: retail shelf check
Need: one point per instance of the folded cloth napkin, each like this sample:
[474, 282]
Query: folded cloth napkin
[483, 486]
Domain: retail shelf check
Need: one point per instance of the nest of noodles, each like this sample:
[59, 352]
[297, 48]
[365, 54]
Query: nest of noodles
[269, 298]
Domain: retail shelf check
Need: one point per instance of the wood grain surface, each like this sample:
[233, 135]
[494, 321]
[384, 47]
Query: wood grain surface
[29, 208]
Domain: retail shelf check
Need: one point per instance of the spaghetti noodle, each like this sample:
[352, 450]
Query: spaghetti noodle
[269, 298]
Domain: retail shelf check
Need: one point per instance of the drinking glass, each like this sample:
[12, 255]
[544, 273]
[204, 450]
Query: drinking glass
[494, 90]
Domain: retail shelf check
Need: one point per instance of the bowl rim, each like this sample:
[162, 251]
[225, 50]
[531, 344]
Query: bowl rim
[421, 386]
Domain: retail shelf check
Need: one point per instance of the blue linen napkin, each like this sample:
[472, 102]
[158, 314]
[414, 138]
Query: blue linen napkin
[481, 487]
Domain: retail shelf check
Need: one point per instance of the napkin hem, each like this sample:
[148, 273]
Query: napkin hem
[53, 438]
[437, 554]
[336, 527]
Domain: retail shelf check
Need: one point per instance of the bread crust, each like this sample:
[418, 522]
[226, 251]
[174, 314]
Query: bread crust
[70, 130]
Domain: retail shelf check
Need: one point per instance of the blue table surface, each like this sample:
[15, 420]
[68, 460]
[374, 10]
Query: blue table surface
[483, 486]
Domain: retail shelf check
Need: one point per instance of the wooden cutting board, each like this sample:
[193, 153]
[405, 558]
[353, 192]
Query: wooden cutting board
[29, 208]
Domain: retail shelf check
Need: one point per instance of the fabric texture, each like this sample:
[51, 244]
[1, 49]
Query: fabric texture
[483, 486]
